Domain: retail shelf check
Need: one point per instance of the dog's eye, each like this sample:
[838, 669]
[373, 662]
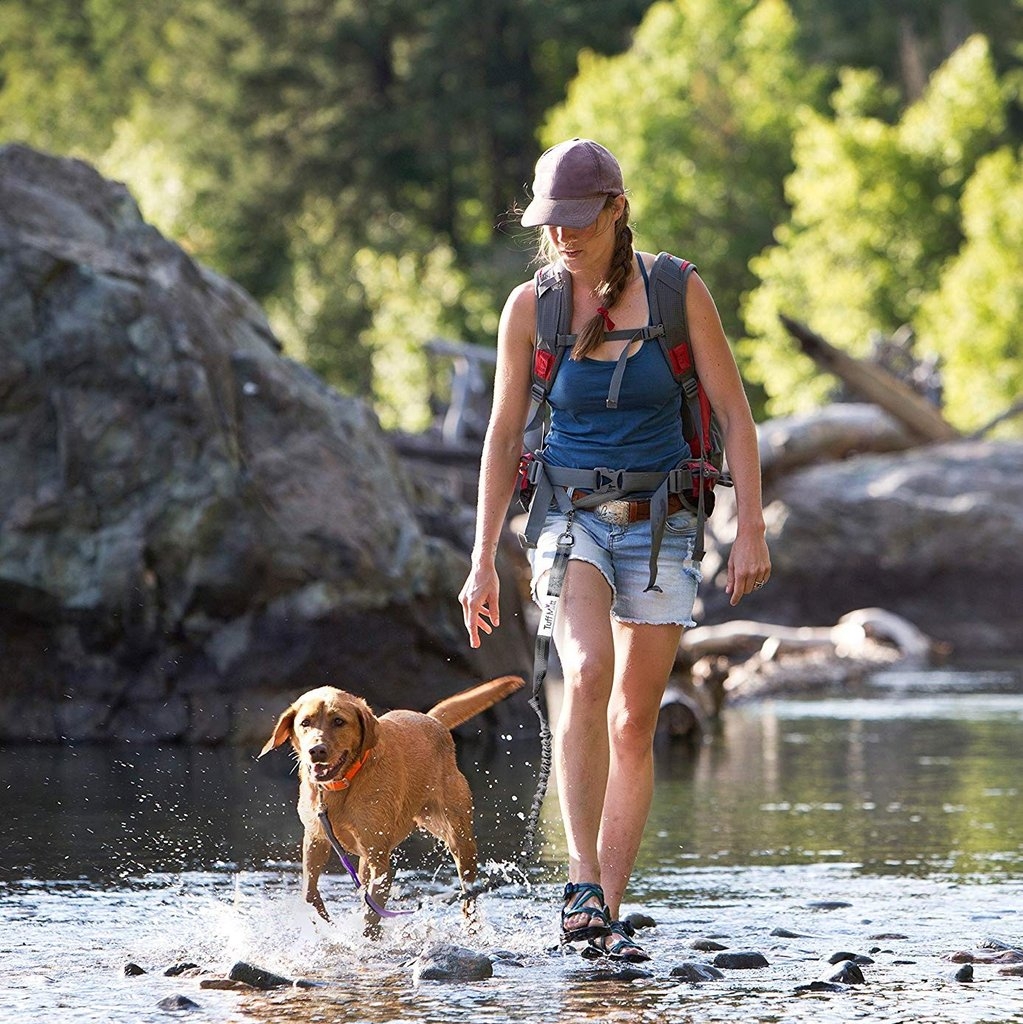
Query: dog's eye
[338, 721]
[305, 723]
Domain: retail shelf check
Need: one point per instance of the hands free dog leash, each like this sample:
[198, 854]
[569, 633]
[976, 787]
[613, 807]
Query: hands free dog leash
[541, 656]
[328, 831]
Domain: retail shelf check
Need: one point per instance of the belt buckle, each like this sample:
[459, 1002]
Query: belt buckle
[614, 512]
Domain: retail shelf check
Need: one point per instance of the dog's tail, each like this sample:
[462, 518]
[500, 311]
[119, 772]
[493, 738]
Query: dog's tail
[462, 706]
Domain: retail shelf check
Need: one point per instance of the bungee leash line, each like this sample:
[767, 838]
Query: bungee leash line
[541, 656]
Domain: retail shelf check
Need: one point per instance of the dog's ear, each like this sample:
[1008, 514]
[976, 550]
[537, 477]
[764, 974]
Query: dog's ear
[369, 725]
[283, 731]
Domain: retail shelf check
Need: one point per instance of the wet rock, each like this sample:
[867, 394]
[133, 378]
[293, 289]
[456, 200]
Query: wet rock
[447, 962]
[707, 945]
[887, 937]
[638, 920]
[256, 976]
[176, 970]
[624, 972]
[224, 984]
[1016, 970]
[745, 960]
[785, 933]
[856, 958]
[821, 986]
[965, 973]
[133, 970]
[828, 905]
[696, 973]
[177, 1002]
[848, 974]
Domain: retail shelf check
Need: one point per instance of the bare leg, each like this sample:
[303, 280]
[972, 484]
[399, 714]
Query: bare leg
[586, 652]
[645, 655]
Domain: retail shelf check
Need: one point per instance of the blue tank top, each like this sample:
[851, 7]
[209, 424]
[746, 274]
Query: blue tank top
[644, 432]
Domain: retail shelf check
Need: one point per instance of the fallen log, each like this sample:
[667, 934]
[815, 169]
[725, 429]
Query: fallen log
[874, 384]
[744, 659]
[828, 434]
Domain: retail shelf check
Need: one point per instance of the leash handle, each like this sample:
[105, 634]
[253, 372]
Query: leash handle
[350, 868]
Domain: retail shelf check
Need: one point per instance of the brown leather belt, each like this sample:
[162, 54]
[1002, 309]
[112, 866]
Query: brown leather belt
[621, 511]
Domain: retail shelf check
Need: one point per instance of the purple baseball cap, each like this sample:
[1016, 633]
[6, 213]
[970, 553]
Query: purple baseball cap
[571, 183]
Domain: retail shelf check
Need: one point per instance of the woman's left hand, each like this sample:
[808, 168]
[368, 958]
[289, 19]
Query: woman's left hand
[749, 567]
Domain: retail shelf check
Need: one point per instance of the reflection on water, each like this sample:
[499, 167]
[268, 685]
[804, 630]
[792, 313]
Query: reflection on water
[900, 811]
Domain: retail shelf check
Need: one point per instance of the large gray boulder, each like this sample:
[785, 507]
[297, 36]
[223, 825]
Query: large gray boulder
[933, 533]
[193, 528]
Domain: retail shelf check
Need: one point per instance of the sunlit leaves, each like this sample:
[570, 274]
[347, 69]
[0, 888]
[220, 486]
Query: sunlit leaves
[875, 219]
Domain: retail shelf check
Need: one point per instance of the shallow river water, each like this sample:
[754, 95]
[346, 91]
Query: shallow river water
[885, 823]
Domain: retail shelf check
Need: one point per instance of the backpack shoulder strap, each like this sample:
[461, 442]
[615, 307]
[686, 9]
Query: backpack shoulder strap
[553, 323]
[668, 280]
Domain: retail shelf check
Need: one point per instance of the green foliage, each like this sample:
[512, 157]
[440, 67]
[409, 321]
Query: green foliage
[700, 112]
[875, 219]
[351, 164]
[974, 320]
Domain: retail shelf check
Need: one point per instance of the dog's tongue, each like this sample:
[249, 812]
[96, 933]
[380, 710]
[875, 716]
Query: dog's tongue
[323, 770]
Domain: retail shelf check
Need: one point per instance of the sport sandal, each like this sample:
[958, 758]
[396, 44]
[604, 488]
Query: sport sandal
[618, 944]
[577, 894]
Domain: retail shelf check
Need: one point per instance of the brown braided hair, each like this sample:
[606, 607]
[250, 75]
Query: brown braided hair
[622, 259]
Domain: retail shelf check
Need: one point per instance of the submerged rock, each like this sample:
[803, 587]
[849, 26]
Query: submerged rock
[257, 977]
[696, 973]
[745, 960]
[448, 962]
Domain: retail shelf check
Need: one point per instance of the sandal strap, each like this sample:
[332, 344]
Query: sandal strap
[579, 893]
[624, 940]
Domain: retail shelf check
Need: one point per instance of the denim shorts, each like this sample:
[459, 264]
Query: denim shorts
[622, 554]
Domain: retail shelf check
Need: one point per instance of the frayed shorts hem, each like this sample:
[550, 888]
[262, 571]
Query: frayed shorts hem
[622, 554]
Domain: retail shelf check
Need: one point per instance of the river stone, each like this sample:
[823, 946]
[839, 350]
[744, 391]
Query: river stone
[132, 970]
[744, 960]
[193, 527]
[448, 962]
[176, 970]
[707, 945]
[695, 972]
[638, 920]
[847, 974]
[177, 1002]
[257, 977]
[821, 986]
[965, 973]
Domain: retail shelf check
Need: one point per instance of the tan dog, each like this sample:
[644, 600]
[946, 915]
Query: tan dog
[380, 778]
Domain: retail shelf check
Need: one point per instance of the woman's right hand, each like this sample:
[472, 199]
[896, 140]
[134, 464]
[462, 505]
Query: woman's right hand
[480, 599]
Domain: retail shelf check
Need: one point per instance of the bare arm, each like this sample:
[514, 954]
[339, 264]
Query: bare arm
[749, 560]
[502, 447]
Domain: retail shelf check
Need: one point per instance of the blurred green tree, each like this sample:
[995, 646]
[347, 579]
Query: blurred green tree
[700, 111]
[875, 221]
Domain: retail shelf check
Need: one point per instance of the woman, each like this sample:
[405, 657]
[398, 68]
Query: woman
[616, 636]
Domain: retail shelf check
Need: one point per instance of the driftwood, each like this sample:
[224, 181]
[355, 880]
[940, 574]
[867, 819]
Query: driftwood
[829, 434]
[874, 384]
[742, 660]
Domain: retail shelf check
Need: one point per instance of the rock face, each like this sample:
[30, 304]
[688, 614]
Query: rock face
[193, 528]
[934, 534]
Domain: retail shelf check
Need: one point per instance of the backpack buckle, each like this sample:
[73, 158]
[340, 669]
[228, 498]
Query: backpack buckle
[609, 479]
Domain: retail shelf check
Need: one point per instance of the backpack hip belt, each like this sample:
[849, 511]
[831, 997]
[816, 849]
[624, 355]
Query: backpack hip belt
[606, 487]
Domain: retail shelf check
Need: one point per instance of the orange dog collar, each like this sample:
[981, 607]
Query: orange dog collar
[346, 780]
